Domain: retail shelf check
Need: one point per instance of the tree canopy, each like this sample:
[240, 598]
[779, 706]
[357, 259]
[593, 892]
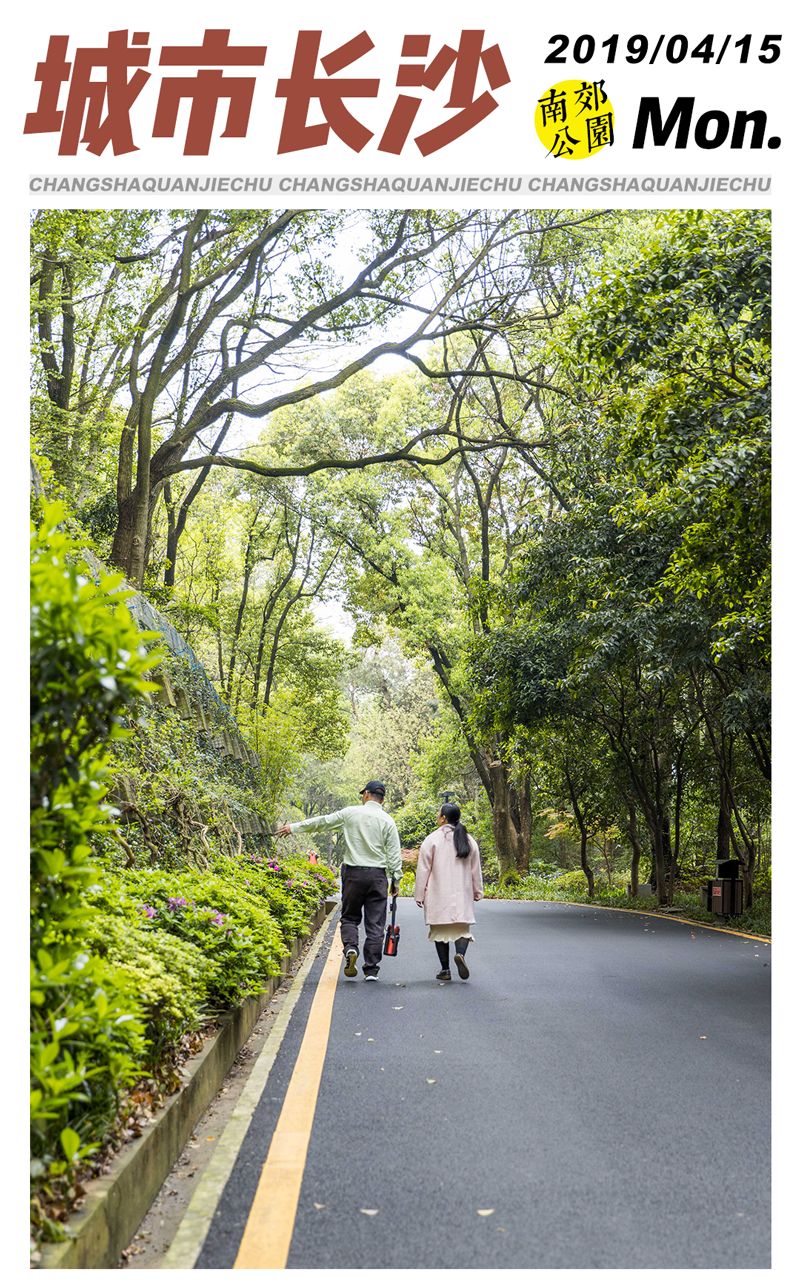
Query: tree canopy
[525, 451]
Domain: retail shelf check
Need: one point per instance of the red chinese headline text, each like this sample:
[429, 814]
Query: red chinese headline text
[86, 97]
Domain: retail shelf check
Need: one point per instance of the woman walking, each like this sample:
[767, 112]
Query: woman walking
[449, 880]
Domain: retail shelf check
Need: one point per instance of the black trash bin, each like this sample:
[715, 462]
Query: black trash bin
[725, 892]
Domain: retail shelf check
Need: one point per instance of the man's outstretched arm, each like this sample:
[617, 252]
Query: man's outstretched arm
[319, 823]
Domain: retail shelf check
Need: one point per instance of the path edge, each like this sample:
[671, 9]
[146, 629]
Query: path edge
[116, 1203]
[646, 912]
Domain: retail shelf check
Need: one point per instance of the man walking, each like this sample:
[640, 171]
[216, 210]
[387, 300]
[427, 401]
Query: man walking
[371, 862]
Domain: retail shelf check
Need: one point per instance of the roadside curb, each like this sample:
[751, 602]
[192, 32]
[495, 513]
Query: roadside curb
[646, 912]
[116, 1203]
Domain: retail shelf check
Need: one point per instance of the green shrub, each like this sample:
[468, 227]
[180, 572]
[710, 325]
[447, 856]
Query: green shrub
[242, 914]
[126, 961]
[762, 884]
[291, 886]
[88, 665]
[571, 884]
[241, 942]
[87, 1038]
[490, 868]
[218, 933]
[407, 883]
[415, 820]
[168, 977]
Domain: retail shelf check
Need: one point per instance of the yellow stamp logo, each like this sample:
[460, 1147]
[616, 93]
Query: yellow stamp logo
[575, 119]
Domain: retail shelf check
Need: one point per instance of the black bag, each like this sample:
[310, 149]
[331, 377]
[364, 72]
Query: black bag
[392, 932]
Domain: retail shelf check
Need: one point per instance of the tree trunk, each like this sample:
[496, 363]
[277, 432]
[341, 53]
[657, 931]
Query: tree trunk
[636, 849]
[249, 564]
[660, 864]
[523, 814]
[122, 547]
[669, 859]
[747, 886]
[511, 819]
[724, 820]
[587, 869]
[651, 876]
[580, 819]
[178, 523]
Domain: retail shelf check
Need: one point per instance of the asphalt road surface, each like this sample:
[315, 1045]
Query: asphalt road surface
[595, 1095]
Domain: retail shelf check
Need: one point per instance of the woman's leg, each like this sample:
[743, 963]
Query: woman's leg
[443, 953]
[461, 965]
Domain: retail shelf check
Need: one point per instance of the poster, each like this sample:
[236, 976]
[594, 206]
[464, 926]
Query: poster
[457, 107]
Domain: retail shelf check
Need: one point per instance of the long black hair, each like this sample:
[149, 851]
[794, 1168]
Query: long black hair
[460, 834]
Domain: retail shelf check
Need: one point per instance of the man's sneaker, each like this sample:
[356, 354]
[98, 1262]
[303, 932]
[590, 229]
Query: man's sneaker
[461, 966]
[370, 972]
[444, 976]
[350, 957]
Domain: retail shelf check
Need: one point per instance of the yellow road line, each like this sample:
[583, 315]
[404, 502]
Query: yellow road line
[196, 1222]
[270, 1224]
[665, 916]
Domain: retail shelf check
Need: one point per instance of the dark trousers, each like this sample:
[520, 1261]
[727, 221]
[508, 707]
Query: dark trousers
[364, 890]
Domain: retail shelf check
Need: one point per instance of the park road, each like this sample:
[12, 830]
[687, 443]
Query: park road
[595, 1095]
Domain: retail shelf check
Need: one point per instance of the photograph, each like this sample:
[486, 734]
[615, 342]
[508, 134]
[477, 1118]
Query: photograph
[400, 737]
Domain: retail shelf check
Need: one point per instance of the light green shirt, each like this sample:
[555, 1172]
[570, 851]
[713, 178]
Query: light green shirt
[371, 839]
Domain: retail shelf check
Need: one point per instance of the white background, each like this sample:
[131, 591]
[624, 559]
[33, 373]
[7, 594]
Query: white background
[504, 144]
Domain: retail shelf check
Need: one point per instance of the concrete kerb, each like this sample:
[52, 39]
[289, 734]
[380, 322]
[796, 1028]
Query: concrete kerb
[115, 1204]
[664, 916]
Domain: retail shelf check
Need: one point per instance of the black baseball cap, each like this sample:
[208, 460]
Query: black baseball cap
[374, 788]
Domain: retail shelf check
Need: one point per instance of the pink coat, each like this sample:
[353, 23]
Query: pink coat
[447, 885]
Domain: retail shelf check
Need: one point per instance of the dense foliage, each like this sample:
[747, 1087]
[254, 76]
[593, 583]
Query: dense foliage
[632, 661]
[572, 463]
[127, 961]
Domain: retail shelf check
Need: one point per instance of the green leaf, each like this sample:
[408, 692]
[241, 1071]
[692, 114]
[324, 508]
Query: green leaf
[70, 1143]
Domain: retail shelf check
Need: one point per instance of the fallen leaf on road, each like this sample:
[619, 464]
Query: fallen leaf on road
[437, 1052]
[369, 1211]
[485, 1211]
[430, 1081]
[320, 1206]
[397, 1008]
[358, 1035]
[703, 1037]
[370, 1039]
